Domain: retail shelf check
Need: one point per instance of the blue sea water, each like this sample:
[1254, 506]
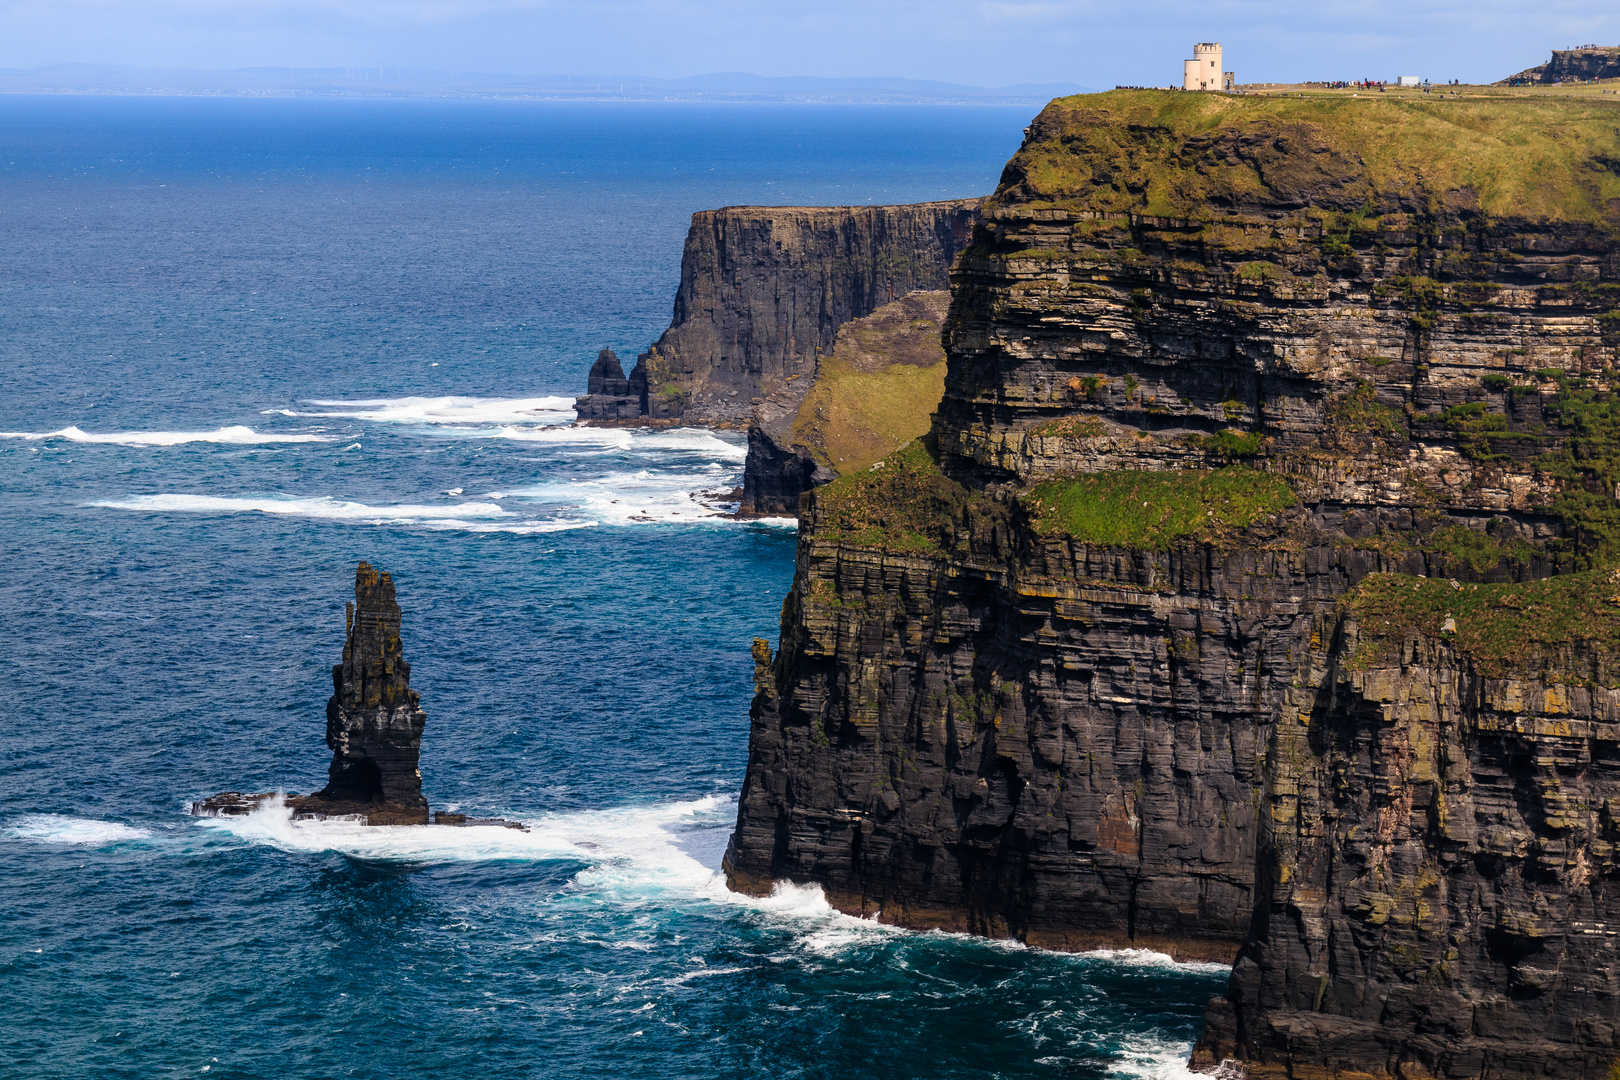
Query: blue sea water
[246, 343]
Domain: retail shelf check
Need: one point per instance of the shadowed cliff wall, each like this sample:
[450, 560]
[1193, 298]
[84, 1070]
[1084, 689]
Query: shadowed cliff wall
[1064, 670]
[763, 288]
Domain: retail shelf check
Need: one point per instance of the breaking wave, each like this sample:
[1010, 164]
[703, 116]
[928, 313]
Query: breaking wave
[442, 410]
[235, 436]
[320, 507]
[85, 832]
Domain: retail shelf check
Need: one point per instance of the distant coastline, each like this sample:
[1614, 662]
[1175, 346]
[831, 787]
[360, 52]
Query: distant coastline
[416, 83]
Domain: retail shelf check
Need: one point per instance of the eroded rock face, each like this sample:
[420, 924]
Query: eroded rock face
[1084, 666]
[610, 397]
[1572, 65]
[763, 288]
[374, 727]
[374, 719]
[1438, 867]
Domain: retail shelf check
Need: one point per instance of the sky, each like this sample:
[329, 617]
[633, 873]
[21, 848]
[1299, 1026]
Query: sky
[1096, 43]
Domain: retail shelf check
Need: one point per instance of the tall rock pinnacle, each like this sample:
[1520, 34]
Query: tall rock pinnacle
[374, 726]
[374, 720]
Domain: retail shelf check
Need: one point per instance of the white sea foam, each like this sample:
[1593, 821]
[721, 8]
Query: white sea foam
[634, 857]
[444, 410]
[630, 852]
[598, 439]
[460, 517]
[273, 826]
[236, 436]
[693, 441]
[1154, 1057]
[1148, 958]
[321, 507]
[60, 829]
[679, 444]
[640, 496]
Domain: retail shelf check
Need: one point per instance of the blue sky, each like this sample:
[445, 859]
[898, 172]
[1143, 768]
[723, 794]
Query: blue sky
[981, 42]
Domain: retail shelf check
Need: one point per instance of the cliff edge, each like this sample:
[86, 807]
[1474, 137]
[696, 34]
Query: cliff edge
[763, 291]
[1250, 597]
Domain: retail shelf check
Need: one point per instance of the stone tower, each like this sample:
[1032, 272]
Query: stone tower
[1203, 71]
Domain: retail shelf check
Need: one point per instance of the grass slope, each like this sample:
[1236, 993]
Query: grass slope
[1153, 510]
[1511, 628]
[879, 388]
[1193, 155]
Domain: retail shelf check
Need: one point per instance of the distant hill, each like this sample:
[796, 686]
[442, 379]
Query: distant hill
[420, 82]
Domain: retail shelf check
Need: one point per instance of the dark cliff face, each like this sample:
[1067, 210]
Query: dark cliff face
[1440, 856]
[610, 397]
[374, 720]
[1086, 666]
[1571, 65]
[775, 475]
[763, 288]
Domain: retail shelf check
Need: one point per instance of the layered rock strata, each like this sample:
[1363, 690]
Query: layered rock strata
[1086, 666]
[1440, 852]
[610, 398]
[871, 394]
[1572, 65]
[763, 289]
[374, 719]
[374, 723]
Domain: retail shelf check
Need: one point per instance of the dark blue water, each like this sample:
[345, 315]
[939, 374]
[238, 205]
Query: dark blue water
[245, 344]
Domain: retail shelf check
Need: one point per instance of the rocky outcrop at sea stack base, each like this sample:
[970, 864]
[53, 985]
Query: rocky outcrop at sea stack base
[374, 723]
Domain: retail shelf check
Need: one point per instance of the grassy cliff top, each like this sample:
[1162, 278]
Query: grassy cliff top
[1177, 154]
[1508, 628]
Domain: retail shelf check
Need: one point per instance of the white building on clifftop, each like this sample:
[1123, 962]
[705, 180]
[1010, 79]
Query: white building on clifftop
[1203, 71]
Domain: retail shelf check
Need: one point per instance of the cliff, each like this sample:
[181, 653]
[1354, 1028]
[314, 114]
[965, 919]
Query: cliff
[871, 394]
[1104, 659]
[764, 289]
[1572, 65]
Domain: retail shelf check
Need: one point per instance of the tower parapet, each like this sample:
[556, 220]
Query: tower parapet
[1203, 71]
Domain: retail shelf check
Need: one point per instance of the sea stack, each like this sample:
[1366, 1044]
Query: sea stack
[374, 719]
[374, 726]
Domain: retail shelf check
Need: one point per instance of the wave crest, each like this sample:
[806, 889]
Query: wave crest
[236, 435]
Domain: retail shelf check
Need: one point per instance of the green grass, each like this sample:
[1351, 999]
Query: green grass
[1179, 155]
[1230, 443]
[1153, 510]
[1361, 413]
[905, 505]
[1514, 628]
[853, 418]
[879, 388]
[1479, 551]
[1587, 468]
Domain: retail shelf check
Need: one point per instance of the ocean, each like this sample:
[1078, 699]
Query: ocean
[248, 342]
